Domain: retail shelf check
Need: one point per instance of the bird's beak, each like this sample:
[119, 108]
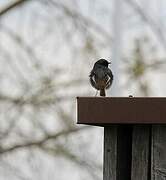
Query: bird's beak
[109, 62]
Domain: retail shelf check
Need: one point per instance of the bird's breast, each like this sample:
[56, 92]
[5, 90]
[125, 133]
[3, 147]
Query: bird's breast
[101, 82]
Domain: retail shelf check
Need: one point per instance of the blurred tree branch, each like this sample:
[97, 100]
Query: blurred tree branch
[149, 20]
[91, 166]
[11, 6]
[75, 15]
[38, 143]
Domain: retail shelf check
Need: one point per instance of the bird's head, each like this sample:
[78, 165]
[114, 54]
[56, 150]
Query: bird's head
[103, 62]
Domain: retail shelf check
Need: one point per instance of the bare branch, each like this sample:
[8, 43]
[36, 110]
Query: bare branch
[78, 16]
[12, 6]
[38, 143]
[86, 163]
[155, 28]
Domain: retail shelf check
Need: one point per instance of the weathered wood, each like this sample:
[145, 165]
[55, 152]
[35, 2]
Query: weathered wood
[137, 153]
[124, 151]
[141, 152]
[110, 153]
[121, 110]
[158, 152]
[117, 152]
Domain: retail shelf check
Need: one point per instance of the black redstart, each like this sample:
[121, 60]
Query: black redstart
[101, 76]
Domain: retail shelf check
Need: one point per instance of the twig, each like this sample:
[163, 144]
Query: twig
[12, 6]
[38, 143]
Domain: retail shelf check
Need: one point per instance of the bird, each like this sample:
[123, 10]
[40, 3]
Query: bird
[101, 76]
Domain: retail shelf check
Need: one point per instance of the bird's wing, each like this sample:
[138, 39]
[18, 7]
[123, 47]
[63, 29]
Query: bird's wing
[92, 73]
[109, 73]
[110, 78]
[92, 79]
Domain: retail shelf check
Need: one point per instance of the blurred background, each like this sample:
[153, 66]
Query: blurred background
[47, 49]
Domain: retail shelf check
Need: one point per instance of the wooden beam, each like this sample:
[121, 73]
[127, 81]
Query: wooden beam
[121, 110]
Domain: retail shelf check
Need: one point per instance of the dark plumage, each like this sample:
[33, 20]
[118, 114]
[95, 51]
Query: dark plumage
[101, 76]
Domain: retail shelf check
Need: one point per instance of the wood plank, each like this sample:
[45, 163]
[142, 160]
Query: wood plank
[124, 152]
[120, 110]
[141, 152]
[158, 152]
[117, 152]
[110, 153]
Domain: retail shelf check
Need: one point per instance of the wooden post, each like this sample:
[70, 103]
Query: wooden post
[110, 153]
[134, 135]
[141, 149]
[158, 165]
[117, 152]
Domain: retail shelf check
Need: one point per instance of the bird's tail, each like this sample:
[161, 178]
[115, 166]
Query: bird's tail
[102, 92]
